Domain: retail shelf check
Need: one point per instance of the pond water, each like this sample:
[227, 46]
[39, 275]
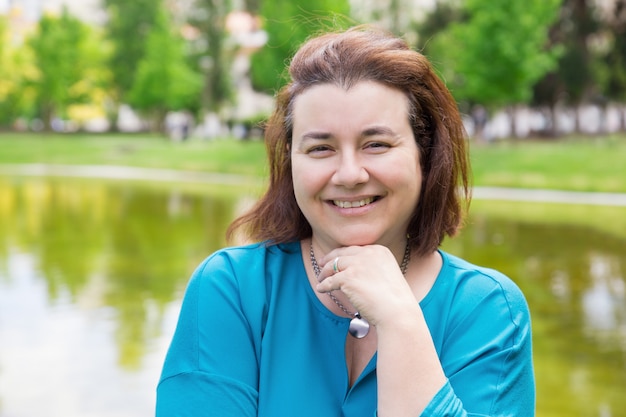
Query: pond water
[92, 273]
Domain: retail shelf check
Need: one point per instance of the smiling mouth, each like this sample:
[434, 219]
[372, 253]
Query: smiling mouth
[354, 204]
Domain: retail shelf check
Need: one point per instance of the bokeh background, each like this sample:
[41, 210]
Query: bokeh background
[131, 136]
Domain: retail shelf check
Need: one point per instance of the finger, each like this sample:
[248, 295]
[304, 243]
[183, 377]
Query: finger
[332, 267]
[327, 285]
[336, 265]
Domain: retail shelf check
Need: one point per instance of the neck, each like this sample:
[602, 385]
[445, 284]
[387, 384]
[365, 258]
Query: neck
[398, 248]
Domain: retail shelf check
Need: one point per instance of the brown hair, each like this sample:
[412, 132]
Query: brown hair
[344, 59]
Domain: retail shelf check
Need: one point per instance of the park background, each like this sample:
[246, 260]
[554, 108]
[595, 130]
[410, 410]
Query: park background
[130, 136]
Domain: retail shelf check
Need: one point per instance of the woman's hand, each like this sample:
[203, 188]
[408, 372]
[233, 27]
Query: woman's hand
[371, 279]
[408, 370]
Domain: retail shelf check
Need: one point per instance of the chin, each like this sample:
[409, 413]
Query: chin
[358, 240]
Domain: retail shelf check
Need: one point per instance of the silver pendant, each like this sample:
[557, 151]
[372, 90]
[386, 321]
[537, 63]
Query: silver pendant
[359, 327]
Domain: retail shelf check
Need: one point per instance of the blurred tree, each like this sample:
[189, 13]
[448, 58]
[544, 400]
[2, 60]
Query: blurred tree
[497, 55]
[252, 6]
[211, 52]
[70, 62]
[6, 85]
[437, 20]
[14, 64]
[396, 16]
[614, 85]
[127, 28]
[288, 23]
[164, 81]
[575, 77]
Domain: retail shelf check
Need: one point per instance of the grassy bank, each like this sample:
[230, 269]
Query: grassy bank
[147, 151]
[577, 164]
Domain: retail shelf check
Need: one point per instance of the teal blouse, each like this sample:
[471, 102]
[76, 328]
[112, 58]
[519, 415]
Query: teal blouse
[253, 340]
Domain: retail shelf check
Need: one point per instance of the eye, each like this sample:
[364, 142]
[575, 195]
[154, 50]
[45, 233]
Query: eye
[319, 151]
[377, 146]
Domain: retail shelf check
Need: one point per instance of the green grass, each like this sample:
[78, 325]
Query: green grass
[577, 164]
[224, 156]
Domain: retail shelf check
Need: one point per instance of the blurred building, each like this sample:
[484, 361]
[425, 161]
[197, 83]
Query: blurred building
[31, 10]
[24, 14]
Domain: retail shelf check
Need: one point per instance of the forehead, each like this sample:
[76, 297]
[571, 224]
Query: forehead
[367, 102]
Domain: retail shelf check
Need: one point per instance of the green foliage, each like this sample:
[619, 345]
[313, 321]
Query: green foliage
[69, 61]
[437, 20]
[253, 6]
[614, 85]
[164, 81]
[497, 54]
[288, 23]
[211, 53]
[14, 65]
[128, 26]
[576, 68]
[5, 60]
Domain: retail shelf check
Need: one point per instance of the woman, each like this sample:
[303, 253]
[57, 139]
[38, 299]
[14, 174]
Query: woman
[346, 306]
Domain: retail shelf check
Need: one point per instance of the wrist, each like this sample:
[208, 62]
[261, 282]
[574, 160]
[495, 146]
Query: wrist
[405, 321]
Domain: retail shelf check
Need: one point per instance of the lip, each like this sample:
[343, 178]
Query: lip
[353, 203]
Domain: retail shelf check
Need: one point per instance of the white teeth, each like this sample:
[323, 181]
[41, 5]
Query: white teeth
[353, 204]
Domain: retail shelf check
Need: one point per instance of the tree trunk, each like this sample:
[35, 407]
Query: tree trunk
[554, 127]
[621, 118]
[576, 110]
[112, 110]
[47, 113]
[512, 120]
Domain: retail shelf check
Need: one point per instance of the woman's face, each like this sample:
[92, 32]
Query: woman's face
[355, 164]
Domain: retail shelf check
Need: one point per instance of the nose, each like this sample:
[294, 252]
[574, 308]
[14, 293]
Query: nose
[350, 170]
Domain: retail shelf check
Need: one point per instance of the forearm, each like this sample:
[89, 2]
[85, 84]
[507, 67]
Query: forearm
[408, 369]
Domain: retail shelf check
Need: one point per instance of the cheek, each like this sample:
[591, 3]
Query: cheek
[298, 188]
[306, 189]
[403, 173]
[310, 175]
[408, 183]
[304, 180]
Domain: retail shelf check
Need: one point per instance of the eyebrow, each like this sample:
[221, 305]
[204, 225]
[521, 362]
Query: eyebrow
[316, 135]
[370, 131]
[378, 131]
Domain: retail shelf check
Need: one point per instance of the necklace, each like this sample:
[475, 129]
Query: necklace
[359, 327]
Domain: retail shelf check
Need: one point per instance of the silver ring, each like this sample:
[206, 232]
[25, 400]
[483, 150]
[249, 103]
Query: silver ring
[336, 265]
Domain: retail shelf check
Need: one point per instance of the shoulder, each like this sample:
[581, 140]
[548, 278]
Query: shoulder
[248, 265]
[480, 323]
[239, 280]
[476, 279]
[477, 290]
[246, 257]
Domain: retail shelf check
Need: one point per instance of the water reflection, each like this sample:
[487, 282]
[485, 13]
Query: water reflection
[90, 279]
[604, 303]
[91, 276]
